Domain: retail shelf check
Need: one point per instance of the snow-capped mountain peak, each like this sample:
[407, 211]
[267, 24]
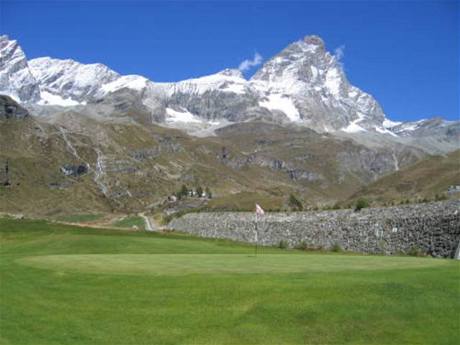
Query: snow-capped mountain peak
[314, 42]
[71, 79]
[315, 81]
[15, 77]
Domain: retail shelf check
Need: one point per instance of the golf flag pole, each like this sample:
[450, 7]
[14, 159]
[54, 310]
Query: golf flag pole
[259, 212]
[257, 237]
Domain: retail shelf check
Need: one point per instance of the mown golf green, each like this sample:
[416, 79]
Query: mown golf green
[67, 285]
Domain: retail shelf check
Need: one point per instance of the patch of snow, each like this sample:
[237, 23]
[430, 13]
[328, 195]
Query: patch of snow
[48, 98]
[134, 82]
[282, 103]
[411, 127]
[353, 93]
[181, 116]
[384, 130]
[288, 83]
[389, 124]
[235, 88]
[353, 127]
[333, 81]
[226, 81]
[314, 72]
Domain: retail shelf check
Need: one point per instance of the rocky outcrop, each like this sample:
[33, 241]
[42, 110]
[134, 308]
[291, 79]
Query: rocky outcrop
[9, 109]
[432, 229]
[74, 170]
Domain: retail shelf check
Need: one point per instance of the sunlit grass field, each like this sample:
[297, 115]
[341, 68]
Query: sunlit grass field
[67, 285]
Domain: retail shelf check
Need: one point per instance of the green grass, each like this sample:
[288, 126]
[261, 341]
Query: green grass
[66, 285]
[130, 222]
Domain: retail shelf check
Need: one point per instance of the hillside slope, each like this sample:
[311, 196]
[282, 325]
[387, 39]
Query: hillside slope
[76, 164]
[424, 179]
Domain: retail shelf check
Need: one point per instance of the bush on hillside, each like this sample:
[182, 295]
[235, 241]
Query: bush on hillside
[295, 203]
[360, 204]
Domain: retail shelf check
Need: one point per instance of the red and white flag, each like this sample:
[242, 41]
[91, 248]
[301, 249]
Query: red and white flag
[259, 210]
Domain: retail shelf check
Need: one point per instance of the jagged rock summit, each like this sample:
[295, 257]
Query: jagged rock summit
[16, 80]
[313, 80]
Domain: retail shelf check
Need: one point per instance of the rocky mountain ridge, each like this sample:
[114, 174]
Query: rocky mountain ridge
[303, 85]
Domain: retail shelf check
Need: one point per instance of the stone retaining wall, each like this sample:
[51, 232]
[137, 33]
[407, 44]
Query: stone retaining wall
[432, 228]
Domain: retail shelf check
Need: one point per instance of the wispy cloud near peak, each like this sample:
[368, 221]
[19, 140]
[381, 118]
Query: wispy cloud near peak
[248, 64]
[339, 52]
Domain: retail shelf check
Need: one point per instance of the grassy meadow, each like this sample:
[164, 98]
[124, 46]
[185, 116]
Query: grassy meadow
[61, 284]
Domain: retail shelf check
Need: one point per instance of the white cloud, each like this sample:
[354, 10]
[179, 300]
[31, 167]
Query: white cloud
[247, 64]
[339, 52]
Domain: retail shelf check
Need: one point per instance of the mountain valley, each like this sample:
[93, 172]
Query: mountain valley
[81, 138]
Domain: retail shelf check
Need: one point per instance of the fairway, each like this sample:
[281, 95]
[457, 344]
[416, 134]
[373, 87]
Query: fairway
[182, 264]
[68, 285]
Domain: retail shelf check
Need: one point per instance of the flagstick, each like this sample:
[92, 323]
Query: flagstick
[257, 236]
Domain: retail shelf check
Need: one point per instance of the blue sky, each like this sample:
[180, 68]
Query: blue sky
[405, 53]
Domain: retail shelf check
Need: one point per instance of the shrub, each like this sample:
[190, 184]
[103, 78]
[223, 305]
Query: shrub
[303, 246]
[360, 204]
[283, 244]
[415, 251]
[336, 206]
[439, 197]
[336, 248]
[183, 191]
[295, 203]
[307, 247]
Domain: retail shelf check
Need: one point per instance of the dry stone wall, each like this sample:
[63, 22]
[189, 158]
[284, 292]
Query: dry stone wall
[432, 228]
